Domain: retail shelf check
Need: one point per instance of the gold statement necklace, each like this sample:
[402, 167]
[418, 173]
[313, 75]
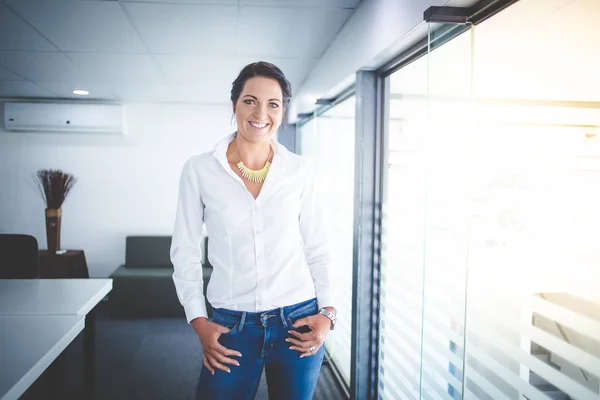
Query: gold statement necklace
[252, 175]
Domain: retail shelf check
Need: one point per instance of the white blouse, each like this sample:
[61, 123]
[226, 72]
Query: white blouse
[268, 252]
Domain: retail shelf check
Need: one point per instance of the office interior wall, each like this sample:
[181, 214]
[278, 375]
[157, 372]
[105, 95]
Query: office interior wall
[127, 184]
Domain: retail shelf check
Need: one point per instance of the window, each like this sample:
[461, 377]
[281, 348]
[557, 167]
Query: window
[328, 141]
[491, 219]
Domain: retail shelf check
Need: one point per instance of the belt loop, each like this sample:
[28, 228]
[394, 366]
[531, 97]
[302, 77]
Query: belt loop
[242, 320]
[283, 318]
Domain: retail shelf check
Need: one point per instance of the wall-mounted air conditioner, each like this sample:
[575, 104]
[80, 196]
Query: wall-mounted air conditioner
[63, 117]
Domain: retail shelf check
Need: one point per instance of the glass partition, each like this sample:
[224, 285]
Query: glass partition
[533, 314]
[403, 216]
[328, 141]
[424, 234]
[490, 264]
[447, 199]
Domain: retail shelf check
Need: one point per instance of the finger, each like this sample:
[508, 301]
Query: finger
[219, 348]
[222, 329]
[309, 353]
[207, 365]
[299, 343]
[225, 360]
[301, 322]
[217, 364]
[301, 349]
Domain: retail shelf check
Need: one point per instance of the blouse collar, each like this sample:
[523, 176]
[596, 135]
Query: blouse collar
[223, 144]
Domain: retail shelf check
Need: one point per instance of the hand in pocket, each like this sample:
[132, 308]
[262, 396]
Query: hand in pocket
[215, 354]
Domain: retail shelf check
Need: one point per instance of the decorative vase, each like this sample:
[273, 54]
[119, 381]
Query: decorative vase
[53, 216]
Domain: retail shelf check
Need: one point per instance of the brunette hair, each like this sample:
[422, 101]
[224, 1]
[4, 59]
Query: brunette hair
[266, 70]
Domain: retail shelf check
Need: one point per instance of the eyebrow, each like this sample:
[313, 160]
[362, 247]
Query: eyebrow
[256, 98]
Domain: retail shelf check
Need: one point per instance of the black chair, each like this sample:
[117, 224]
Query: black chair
[18, 256]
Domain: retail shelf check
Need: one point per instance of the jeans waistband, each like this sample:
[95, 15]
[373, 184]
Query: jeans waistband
[283, 314]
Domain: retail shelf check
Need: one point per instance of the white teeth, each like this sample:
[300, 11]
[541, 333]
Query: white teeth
[260, 126]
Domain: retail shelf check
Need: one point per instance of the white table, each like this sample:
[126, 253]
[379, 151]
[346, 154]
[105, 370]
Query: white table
[30, 343]
[53, 298]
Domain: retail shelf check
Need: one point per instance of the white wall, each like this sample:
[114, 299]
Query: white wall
[127, 184]
[376, 31]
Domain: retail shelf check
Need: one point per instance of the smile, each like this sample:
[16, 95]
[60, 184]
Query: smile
[259, 126]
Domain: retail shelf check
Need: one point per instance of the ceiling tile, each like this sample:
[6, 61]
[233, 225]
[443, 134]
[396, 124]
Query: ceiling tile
[81, 25]
[218, 73]
[185, 28]
[22, 89]
[15, 34]
[220, 2]
[65, 90]
[6, 75]
[39, 65]
[283, 31]
[115, 68]
[197, 69]
[294, 69]
[171, 93]
[302, 3]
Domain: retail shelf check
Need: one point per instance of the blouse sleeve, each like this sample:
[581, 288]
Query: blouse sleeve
[186, 245]
[316, 240]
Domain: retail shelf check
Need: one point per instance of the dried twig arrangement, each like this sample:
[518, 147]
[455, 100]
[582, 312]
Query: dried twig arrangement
[54, 186]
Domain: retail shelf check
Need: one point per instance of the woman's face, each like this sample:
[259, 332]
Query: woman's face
[259, 109]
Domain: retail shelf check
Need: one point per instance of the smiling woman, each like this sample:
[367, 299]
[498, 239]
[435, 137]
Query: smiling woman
[270, 288]
[259, 111]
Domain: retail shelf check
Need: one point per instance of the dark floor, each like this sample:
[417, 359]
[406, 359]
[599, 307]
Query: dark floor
[147, 359]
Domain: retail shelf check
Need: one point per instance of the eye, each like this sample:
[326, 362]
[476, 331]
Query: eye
[248, 101]
[273, 105]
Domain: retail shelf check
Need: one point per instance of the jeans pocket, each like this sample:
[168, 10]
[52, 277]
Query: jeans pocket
[300, 313]
[232, 330]
[299, 329]
[290, 322]
[227, 323]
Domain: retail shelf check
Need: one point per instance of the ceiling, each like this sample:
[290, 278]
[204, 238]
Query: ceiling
[157, 50]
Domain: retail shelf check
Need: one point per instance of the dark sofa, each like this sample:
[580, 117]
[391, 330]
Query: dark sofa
[143, 286]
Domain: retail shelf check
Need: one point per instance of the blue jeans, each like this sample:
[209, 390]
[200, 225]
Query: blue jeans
[260, 337]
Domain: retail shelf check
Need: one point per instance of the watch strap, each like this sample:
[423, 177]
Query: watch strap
[332, 316]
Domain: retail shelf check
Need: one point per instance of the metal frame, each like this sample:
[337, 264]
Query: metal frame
[325, 105]
[485, 9]
[453, 15]
[476, 14]
[367, 232]
[339, 380]
[288, 137]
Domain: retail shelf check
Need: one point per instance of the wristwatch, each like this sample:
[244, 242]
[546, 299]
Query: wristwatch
[332, 316]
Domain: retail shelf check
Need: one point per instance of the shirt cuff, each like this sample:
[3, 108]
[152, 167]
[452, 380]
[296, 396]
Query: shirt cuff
[195, 308]
[325, 299]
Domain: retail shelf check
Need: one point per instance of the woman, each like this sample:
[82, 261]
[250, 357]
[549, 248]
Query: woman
[270, 287]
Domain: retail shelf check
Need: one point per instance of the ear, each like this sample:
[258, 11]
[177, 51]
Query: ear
[233, 104]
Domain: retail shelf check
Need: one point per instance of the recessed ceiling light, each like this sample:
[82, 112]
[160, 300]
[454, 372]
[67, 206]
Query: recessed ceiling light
[81, 92]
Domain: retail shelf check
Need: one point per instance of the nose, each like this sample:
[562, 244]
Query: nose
[261, 112]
